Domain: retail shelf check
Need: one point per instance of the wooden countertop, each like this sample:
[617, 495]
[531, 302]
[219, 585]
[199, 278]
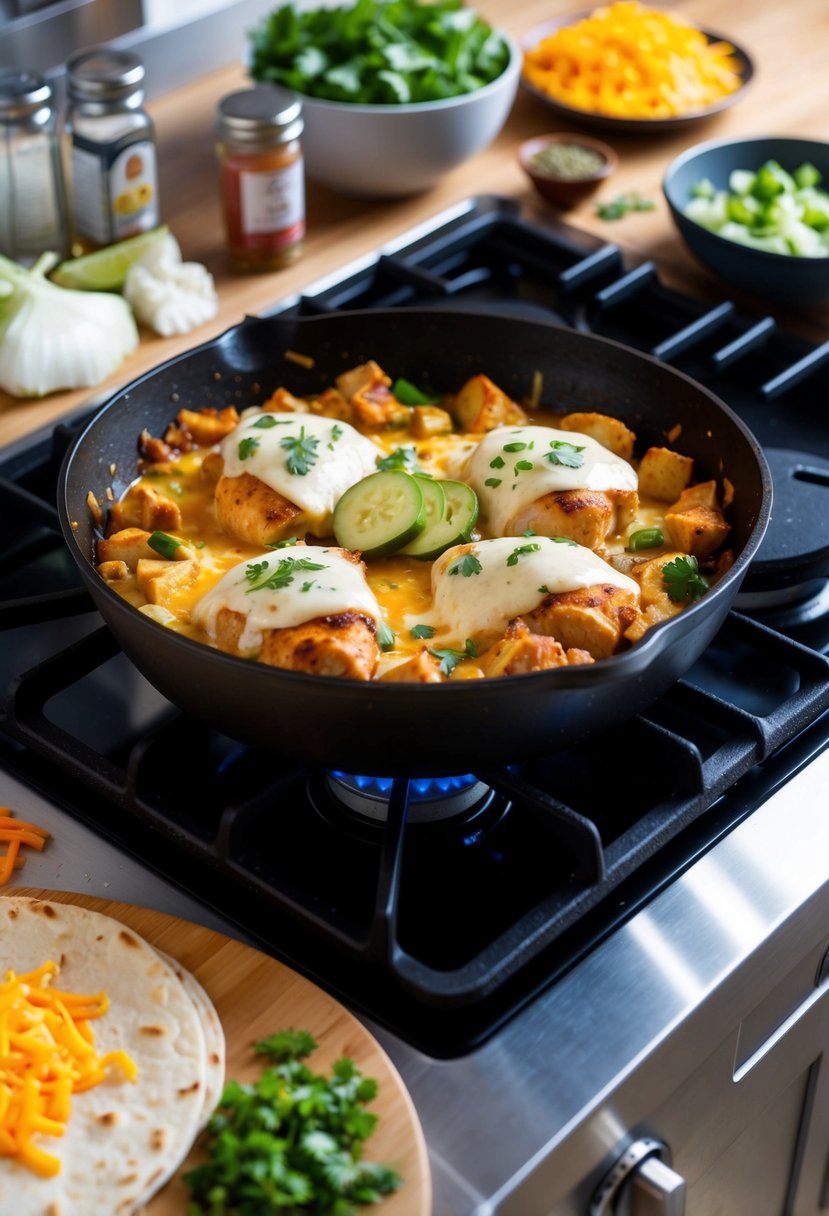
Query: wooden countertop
[789, 44]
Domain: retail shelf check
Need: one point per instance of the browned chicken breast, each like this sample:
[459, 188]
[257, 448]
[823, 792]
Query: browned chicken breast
[585, 516]
[342, 645]
[592, 618]
[521, 650]
[253, 512]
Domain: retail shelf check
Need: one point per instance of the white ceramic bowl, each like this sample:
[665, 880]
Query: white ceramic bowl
[376, 151]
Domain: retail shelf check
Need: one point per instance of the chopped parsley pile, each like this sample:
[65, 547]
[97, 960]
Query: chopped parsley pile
[378, 52]
[291, 1141]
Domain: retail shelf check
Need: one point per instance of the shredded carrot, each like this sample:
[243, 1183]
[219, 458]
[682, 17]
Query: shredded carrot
[629, 61]
[47, 1053]
[14, 833]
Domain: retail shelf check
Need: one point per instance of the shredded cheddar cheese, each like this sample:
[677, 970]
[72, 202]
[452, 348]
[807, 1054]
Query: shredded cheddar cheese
[14, 833]
[47, 1053]
[629, 61]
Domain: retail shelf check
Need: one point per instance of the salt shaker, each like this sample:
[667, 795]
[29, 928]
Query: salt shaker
[33, 216]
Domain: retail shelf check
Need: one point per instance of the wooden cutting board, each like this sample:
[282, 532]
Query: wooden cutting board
[256, 995]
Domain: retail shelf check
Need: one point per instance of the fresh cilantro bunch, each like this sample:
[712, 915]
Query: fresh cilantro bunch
[291, 1141]
[379, 52]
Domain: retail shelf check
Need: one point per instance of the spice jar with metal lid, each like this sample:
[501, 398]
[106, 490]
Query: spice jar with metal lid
[32, 197]
[262, 176]
[113, 154]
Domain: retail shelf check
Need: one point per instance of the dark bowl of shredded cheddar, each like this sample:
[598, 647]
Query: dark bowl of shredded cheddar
[565, 169]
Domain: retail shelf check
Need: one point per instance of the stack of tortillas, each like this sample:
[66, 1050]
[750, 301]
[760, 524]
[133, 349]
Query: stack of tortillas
[123, 1139]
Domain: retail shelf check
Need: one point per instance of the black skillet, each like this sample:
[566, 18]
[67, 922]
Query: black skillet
[394, 729]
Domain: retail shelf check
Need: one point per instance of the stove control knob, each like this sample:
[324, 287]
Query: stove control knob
[641, 1183]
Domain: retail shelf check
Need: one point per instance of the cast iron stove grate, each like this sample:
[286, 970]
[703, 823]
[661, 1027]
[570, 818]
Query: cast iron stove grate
[403, 920]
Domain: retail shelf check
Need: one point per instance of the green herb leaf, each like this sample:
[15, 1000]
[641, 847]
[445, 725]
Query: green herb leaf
[247, 446]
[544, 589]
[283, 544]
[523, 466]
[266, 422]
[467, 565]
[516, 446]
[683, 580]
[566, 454]
[493, 482]
[645, 538]
[422, 631]
[261, 577]
[562, 540]
[497, 463]
[302, 452]
[163, 544]
[404, 458]
[449, 658]
[522, 551]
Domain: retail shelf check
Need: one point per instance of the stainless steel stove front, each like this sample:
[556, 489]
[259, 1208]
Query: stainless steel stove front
[702, 1023]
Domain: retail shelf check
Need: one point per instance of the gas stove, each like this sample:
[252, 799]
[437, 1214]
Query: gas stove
[550, 950]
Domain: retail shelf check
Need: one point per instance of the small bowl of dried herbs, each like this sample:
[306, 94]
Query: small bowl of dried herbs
[565, 169]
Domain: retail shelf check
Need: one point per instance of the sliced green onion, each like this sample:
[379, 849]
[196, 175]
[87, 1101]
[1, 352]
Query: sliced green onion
[409, 394]
[165, 545]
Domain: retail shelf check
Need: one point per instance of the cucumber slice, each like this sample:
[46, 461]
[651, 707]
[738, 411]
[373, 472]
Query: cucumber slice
[459, 518]
[435, 502]
[381, 513]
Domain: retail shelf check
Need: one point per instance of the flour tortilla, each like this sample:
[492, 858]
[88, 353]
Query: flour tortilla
[214, 1037]
[123, 1139]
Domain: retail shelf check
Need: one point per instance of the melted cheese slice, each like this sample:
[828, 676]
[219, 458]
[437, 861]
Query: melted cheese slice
[509, 469]
[333, 454]
[287, 587]
[515, 575]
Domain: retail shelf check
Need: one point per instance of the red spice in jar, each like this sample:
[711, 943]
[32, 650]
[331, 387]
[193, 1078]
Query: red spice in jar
[262, 176]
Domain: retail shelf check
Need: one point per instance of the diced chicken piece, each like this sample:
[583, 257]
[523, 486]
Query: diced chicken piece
[114, 571]
[332, 404]
[654, 600]
[208, 426]
[343, 645]
[212, 466]
[129, 546]
[159, 451]
[376, 406]
[591, 618]
[481, 406]
[664, 474]
[161, 580]
[609, 432]
[422, 668]
[428, 420]
[585, 516]
[520, 650]
[695, 523]
[253, 512]
[143, 507]
[283, 402]
[360, 377]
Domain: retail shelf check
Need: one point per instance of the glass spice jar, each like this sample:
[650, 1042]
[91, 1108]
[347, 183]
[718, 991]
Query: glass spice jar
[262, 176]
[32, 198]
[113, 153]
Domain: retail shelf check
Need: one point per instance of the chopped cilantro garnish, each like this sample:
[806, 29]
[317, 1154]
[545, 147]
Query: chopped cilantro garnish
[544, 589]
[449, 658]
[562, 540]
[522, 551]
[523, 466]
[266, 422]
[497, 463]
[409, 394]
[283, 544]
[261, 577]
[683, 580]
[529, 532]
[247, 446]
[302, 452]
[566, 454]
[404, 458]
[467, 565]
[493, 482]
[307, 586]
[422, 631]
[516, 446]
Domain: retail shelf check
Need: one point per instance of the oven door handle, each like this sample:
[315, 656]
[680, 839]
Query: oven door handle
[814, 1006]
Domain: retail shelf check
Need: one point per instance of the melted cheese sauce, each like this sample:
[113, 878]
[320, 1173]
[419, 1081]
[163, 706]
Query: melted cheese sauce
[509, 469]
[308, 459]
[401, 586]
[507, 577]
[286, 587]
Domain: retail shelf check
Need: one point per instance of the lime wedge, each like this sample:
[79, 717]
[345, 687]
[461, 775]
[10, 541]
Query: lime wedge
[106, 269]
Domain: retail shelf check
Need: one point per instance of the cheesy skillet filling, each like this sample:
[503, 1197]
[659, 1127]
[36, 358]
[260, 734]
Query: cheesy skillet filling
[373, 532]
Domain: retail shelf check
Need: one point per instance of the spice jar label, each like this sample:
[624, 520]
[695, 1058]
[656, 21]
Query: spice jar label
[273, 203]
